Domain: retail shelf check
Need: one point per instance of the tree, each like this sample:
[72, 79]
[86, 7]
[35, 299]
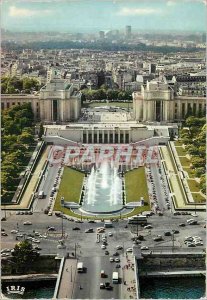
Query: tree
[24, 255]
[10, 127]
[198, 162]
[30, 83]
[25, 138]
[41, 130]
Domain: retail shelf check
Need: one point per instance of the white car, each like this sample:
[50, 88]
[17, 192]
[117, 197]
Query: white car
[103, 247]
[110, 234]
[50, 213]
[104, 240]
[198, 243]
[36, 241]
[129, 250]
[111, 259]
[190, 220]
[117, 259]
[148, 227]
[19, 235]
[27, 223]
[14, 231]
[144, 248]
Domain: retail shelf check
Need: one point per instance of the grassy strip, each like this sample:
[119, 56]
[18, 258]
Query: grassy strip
[184, 161]
[136, 185]
[179, 180]
[178, 143]
[181, 151]
[70, 187]
[193, 185]
[198, 198]
[191, 173]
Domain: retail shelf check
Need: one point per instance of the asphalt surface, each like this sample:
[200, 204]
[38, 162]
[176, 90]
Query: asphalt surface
[89, 251]
[90, 280]
[46, 186]
[86, 248]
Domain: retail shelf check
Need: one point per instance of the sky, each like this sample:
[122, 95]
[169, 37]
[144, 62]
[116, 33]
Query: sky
[95, 15]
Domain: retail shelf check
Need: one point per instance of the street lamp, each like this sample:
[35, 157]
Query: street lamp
[71, 277]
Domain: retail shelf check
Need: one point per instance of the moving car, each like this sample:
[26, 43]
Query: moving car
[27, 223]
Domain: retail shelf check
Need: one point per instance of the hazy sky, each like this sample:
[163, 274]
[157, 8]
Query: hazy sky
[94, 15]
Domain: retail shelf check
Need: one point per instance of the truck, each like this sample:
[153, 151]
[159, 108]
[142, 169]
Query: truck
[80, 267]
[108, 224]
[115, 277]
[41, 195]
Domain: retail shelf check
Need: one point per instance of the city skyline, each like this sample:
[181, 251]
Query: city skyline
[91, 16]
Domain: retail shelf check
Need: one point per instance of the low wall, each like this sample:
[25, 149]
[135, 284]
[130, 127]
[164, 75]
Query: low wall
[157, 262]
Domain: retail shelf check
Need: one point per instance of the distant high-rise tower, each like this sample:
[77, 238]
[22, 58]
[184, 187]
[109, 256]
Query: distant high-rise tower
[128, 31]
[101, 35]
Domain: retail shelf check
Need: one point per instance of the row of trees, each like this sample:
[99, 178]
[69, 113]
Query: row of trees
[194, 137]
[14, 85]
[103, 93]
[17, 139]
[97, 45]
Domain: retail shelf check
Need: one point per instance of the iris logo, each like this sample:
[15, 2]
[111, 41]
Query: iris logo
[12, 289]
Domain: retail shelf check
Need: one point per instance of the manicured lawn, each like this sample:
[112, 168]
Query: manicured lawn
[193, 185]
[119, 104]
[136, 185]
[198, 198]
[184, 161]
[181, 151]
[178, 143]
[70, 187]
[191, 173]
[71, 184]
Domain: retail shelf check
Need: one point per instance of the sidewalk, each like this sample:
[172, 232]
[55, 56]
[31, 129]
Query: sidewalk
[128, 289]
[68, 279]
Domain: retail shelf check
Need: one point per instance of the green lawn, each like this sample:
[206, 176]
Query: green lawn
[184, 161]
[178, 143]
[119, 104]
[193, 185]
[181, 151]
[191, 173]
[198, 198]
[136, 185]
[71, 184]
[70, 187]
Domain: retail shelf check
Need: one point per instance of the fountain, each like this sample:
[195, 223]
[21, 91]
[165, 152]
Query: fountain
[103, 190]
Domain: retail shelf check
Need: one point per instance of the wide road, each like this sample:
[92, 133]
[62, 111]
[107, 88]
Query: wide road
[46, 186]
[91, 279]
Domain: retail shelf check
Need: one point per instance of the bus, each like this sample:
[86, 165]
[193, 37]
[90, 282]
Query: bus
[115, 277]
[138, 220]
[80, 267]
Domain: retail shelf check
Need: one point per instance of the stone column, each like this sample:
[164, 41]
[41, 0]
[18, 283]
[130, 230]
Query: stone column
[86, 136]
[124, 136]
[97, 136]
[103, 137]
